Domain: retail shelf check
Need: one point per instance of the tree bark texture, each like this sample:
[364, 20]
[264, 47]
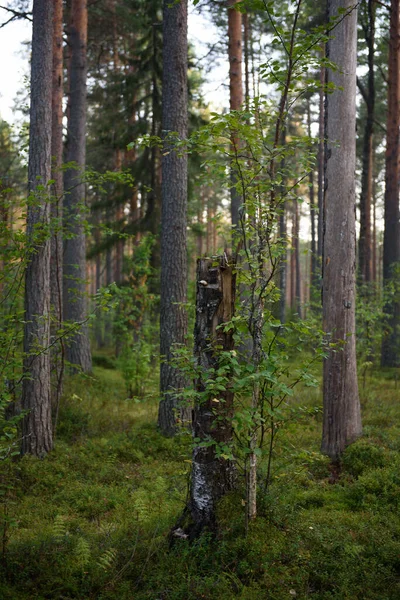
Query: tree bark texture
[173, 318]
[321, 162]
[365, 239]
[391, 240]
[341, 418]
[56, 261]
[235, 92]
[37, 434]
[314, 278]
[212, 476]
[75, 300]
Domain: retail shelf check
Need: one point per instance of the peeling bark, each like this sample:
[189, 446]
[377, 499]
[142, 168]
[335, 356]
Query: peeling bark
[211, 476]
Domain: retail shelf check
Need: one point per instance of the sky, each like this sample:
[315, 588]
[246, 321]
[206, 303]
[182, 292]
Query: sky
[14, 67]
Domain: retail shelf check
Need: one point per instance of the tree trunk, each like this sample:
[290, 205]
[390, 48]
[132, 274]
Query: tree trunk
[314, 279]
[212, 476]
[341, 413]
[365, 239]
[246, 40]
[75, 301]
[321, 163]
[235, 93]
[37, 431]
[391, 239]
[297, 262]
[173, 317]
[56, 261]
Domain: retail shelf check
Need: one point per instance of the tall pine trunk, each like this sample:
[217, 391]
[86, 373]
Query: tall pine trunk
[235, 93]
[56, 262]
[365, 239]
[75, 300]
[321, 164]
[37, 434]
[173, 317]
[341, 413]
[391, 240]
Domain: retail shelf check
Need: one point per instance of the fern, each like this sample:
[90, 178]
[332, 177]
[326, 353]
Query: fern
[59, 530]
[82, 553]
[107, 559]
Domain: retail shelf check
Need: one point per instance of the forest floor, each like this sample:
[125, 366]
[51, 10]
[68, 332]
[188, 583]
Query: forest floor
[91, 521]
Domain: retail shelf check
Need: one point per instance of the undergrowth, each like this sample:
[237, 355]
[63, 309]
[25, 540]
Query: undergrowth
[91, 521]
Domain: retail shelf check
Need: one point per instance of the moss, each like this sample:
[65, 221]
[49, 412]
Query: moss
[91, 521]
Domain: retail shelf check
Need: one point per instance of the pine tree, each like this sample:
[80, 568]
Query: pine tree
[36, 395]
[173, 318]
[341, 418]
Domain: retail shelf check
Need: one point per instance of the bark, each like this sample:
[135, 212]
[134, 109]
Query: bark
[314, 279]
[321, 162]
[212, 476]
[365, 239]
[391, 239]
[56, 266]
[235, 93]
[297, 259]
[74, 290]
[36, 393]
[341, 412]
[246, 40]
[119, 217]
[173, 317]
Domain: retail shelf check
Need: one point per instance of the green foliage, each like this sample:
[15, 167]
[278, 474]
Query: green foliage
[92, 519]
[134, 327]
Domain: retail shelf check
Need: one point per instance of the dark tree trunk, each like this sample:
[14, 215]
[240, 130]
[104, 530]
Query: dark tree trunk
[391, 239]
[74, 290]
[365, 239]
[173, 317]
[235, 93]
[56, 262]
[321, 166]
[37, 434]
[211, 476]
[341, 414]
[314, 278]
[297, 254]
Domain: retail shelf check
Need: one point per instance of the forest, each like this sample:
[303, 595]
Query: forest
[200, 303]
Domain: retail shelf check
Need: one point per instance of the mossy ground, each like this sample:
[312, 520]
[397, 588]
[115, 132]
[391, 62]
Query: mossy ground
[91, 521]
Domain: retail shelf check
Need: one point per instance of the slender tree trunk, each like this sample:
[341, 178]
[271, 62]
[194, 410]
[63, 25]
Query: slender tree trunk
[365, 239]
[235, 92]
[297, 254]
[283, 267]
[173, 317]
[321, 164]
[246, 40]
[374, 241]
[37, 434]
[211, 476]
[391, 239]
[56, 262]
[314, 279]
[341, 414]
[75, 301]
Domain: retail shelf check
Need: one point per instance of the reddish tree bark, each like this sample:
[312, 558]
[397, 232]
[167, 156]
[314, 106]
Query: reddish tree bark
[391, 240]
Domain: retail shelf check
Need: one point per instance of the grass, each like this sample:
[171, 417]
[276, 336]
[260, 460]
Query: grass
[91, 521]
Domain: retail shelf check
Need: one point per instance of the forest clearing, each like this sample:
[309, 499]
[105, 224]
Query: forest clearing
[200, 301]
